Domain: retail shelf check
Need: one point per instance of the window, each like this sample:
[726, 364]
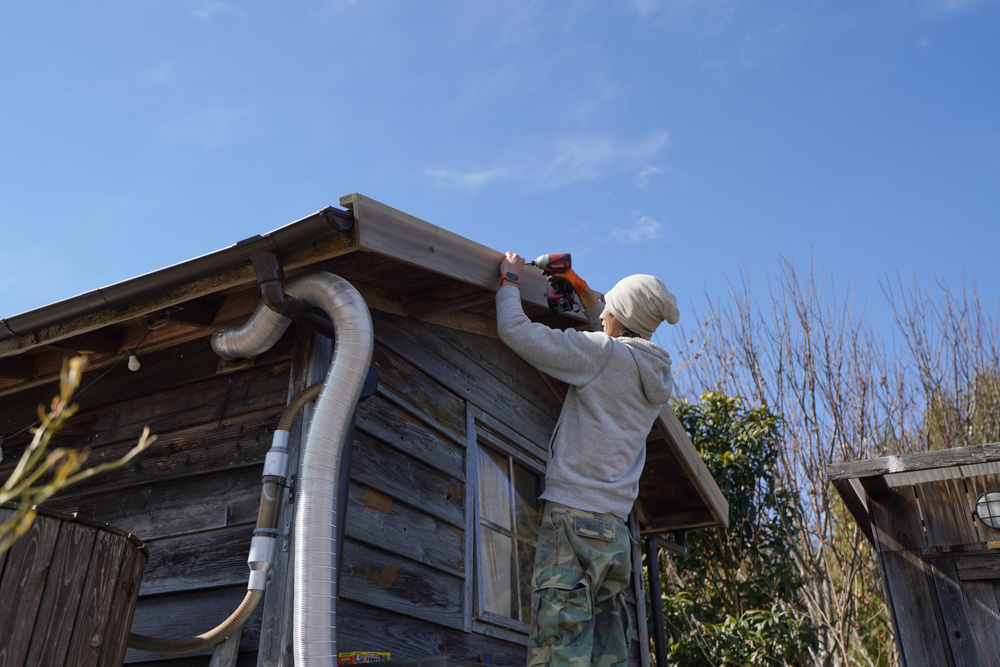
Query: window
[509, 480]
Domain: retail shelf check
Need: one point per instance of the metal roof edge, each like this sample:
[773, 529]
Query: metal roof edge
[306, 230]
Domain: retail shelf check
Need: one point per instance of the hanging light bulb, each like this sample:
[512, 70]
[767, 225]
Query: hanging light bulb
[133, 361]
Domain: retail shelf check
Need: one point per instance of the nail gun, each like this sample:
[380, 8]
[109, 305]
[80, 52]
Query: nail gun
[560, 293]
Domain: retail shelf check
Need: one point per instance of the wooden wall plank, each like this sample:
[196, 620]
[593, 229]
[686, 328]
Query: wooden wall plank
[896, 521]
[99, 591]
[122, 607]
[22, 588]
[180, 615]
[495, 358]
[179, 506]
[958, 631]
[364, 628]
[209, 402]
[198, 561]
[418, 345]
[947, 513]
[375, 518]
[981, 601]
[391, 424]
[409, 387]
[978, 566]
[386, 581]
[162, 371]
[915, 610]
[232, 444]
[228, 652]
[407, 479]
[68, 571]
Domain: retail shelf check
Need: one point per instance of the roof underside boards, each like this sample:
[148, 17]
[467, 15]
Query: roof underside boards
[401, 265]
[965, 471]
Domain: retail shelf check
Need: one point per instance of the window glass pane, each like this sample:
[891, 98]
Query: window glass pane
[497, 576]
[494, 494]
[526, 563]
[527, 488]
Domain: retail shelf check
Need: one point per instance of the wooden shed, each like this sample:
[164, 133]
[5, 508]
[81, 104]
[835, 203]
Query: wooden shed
[457, 428]
[940, 564]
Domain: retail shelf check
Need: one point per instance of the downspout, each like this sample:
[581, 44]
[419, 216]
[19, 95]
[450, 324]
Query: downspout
[319, 513]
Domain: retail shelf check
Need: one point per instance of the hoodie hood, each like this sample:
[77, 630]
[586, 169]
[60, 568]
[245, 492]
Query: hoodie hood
[654, 369]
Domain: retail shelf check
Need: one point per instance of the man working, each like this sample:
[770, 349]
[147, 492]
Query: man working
[618, 382]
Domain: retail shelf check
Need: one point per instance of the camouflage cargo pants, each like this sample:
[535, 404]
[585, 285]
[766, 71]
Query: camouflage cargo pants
[582, 566]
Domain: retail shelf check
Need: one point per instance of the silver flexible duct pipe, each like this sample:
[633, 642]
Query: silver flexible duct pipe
[317, 515]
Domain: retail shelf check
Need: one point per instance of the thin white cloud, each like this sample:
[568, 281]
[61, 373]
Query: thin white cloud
[209, 10]
[951, 6]
[560, 164]
[646, 8]
[647, 173]
[470, 180]
[642, 230]
[209, 128]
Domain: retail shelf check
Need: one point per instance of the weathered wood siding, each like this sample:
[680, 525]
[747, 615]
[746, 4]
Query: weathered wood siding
[408, 568]
[192, 496]
[406, 573]
[942, 579]
[407, 576]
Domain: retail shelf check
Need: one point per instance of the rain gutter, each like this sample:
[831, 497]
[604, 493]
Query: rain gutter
[310, 229]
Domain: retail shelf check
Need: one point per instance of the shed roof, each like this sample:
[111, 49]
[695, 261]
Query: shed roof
[943, 480]
[400, 264]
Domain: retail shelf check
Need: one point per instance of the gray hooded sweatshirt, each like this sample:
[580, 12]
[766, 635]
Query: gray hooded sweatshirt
[617, 388]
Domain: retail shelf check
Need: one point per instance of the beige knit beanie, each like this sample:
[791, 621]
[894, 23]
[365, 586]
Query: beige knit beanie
[641, 302]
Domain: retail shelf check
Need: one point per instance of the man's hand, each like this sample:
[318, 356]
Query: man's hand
[512, 262]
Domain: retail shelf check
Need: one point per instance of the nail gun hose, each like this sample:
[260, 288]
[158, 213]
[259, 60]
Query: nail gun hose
[266, 518]
[204, 640]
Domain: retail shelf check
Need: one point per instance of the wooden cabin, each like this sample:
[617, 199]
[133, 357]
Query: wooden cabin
[448, 454]
[940, 563]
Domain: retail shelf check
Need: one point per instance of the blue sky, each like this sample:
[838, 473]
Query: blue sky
[682, 138]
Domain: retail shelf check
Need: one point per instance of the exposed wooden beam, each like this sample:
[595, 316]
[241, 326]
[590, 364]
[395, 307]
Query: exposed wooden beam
[668, 523]
[670, 546]
[875, 486]
[448, 298]
[200, 312]
[851, 495]
[234, 307]
[388, 302]
[17, 368]
[100, 342]
[886, 465]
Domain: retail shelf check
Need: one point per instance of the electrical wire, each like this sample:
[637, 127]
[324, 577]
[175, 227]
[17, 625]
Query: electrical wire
[83, 389]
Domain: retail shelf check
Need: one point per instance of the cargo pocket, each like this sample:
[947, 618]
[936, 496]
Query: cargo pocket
[563, 616]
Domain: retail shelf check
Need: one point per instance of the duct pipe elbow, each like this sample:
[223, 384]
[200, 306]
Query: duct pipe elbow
[317, 516]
